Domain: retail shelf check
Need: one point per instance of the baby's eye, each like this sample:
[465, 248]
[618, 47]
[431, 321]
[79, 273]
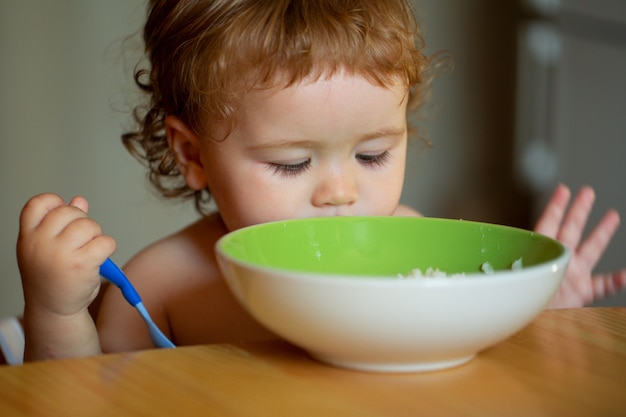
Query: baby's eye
[378, 159]
[290, 170]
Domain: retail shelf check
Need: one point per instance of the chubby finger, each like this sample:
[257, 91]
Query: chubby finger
[576, 218]
[37, 207]
[593, 247]
[550, 220]
[79, 231]
[605, 285]
[97, 250]
[57, 219]
[86, 235]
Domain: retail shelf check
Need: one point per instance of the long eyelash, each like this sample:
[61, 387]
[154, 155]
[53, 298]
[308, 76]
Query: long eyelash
[290, 170]
[380, 159]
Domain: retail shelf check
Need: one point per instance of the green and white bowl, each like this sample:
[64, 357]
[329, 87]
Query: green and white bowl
[334, 286]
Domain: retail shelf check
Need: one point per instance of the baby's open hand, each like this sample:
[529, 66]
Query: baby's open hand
[59, 251]
[580, 286]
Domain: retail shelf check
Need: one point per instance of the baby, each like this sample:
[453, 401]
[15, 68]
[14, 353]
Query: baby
[273, 110]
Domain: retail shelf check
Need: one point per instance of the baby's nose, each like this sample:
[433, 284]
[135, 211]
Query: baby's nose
[336, 190]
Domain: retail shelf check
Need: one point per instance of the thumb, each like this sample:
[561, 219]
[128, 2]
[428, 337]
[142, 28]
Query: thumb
[80, 202]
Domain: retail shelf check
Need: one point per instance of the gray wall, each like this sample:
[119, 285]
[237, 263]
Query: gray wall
[64, 98]
[572, 103]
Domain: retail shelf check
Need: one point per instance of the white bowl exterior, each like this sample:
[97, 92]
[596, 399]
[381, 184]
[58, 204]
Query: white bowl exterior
[394, 325]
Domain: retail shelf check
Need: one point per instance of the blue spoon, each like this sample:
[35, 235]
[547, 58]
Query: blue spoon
[114, 274]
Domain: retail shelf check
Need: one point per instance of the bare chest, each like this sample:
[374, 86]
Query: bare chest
[207, 312]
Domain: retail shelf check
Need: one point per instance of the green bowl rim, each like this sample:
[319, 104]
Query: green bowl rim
[475, 277]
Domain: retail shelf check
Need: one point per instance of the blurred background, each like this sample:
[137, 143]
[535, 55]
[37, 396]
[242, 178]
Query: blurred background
[536, 97]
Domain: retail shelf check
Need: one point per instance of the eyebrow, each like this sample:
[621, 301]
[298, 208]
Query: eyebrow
[388, 131]
[284, 144]
[385, 132]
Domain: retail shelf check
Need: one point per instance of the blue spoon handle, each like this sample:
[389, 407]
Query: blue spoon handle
[114, 274]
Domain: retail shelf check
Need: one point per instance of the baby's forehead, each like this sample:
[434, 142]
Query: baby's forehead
[303, 99]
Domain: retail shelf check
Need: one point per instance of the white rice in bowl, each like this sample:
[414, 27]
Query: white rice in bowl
[431, 272]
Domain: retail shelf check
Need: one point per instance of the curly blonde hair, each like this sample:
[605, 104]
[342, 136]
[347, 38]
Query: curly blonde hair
[206, 54]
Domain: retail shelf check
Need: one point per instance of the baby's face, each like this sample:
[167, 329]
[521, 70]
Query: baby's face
[319, 148]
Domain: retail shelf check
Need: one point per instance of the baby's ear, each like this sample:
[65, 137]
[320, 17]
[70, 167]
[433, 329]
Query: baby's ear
[185, 145]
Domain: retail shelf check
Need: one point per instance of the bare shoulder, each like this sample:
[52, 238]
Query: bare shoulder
[175, 277]
[186, 253]
[181, 286]
[403, 210]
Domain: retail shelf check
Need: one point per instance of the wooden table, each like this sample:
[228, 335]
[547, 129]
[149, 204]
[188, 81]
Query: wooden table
[565, 363]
